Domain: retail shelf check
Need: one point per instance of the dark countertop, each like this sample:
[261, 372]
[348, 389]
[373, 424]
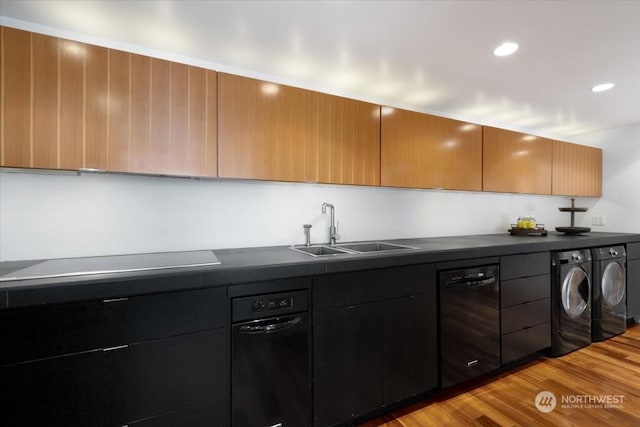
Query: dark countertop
[245, 265]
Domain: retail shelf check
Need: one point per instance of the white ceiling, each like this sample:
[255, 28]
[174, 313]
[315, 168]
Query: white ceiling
[430, 56]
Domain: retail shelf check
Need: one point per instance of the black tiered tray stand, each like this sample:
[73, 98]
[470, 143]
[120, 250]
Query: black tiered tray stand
[573, 229]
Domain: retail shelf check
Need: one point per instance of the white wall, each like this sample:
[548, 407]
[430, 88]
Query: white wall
[620, 202]
[55, 216]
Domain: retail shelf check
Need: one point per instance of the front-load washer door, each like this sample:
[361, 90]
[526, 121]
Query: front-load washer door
[613, 284]
[575, 292]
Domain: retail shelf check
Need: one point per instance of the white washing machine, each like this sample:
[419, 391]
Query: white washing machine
[609, 299]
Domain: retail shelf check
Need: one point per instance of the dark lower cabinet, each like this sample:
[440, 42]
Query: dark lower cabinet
[116, 386]
[370, 354]
[49, 330]
[157, 359]
[410, 353]
[525, 301]
[347, 363]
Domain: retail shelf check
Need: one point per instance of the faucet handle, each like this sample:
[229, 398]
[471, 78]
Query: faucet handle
[337, 235]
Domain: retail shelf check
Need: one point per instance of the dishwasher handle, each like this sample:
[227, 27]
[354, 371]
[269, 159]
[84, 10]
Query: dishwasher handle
[272, 327]
[471, 283]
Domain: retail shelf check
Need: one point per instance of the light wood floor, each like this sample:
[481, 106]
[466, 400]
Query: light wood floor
[611, 367]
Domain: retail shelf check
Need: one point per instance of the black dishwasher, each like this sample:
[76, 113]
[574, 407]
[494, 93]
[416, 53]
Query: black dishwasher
[469, 323]
[270, 360]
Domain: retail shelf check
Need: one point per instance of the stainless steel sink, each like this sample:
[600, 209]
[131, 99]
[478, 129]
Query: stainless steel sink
[320, 250]
[372, 247]
[356, 248]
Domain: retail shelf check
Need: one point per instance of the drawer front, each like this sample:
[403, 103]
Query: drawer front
[360, 287]
[633, 250]
[213, 413]
[107, 388]
[525, 342]
[515, 266]
[518, 291]
[527, 315]
[50, 330]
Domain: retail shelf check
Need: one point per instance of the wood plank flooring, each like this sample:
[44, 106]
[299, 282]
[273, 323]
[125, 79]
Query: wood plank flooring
[609, 369]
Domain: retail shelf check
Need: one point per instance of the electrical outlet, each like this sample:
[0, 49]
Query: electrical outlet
[598, 220]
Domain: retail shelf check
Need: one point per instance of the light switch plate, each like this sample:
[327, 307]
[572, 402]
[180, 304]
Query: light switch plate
[598, 220]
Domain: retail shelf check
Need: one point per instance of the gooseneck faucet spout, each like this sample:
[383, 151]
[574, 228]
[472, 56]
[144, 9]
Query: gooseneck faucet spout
[333, 231]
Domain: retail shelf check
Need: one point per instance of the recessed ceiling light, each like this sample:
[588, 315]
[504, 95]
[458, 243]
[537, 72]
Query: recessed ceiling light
[602, 87]
[506, 48]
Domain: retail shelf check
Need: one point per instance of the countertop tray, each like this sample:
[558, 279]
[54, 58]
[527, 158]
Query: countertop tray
[538, 231]
[573, 230]
[572, 209]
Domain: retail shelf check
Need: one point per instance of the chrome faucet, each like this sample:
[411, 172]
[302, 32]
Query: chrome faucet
[333, 231]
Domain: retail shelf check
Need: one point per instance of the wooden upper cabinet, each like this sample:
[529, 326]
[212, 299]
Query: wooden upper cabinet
[424, 151]
[276, 132]
[514, 162]
[577, 170]
[15, 135]
[70, 105]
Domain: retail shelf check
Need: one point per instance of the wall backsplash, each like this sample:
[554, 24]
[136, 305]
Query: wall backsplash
[57, 216]
[620, 201]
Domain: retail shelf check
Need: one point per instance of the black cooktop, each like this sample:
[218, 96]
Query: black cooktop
[105, 264]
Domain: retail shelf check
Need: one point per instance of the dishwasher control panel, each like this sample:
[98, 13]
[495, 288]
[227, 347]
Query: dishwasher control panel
[267, 305]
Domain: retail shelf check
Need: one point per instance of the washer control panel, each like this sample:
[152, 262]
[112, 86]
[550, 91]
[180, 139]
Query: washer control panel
[571, 257]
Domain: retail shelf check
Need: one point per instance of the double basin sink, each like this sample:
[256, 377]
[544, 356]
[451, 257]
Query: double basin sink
[349, 248]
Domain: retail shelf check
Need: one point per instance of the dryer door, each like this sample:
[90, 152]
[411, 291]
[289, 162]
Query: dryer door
[613, 284]
[575, 292]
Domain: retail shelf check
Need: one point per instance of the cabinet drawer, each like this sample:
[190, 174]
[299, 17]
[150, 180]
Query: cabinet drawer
[515, 266]
[213, 413]
[518, 291]
[525, 342]
[633, 250]
[107, 388]
[360, 287]
[527, 315]
[44, 331]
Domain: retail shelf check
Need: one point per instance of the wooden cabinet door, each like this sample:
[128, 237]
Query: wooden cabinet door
[70, 105]
[423, 151]
[514, 162]
[276, 132]
[577, 170]
[15, 142]
[349, 141]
